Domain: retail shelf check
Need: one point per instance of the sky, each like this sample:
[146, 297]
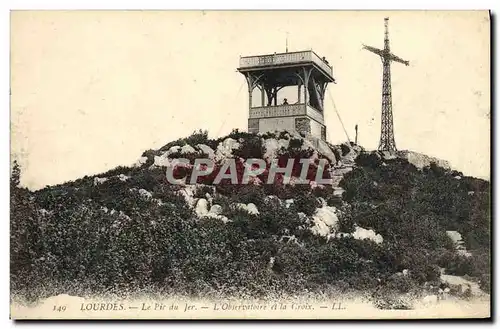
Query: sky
[91, 90]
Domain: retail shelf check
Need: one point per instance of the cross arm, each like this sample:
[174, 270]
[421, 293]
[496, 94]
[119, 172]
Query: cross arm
[374, 50]
[395, 58]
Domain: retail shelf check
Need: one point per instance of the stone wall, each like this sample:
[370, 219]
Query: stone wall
[303, 125]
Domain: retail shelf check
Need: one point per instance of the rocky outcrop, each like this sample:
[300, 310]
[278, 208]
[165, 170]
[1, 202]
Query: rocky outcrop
[420, 160]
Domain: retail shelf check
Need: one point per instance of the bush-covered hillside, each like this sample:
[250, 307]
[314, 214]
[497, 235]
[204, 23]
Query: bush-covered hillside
[129, 231]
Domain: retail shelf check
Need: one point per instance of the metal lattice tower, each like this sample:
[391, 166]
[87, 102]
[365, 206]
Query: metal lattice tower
[387, 142]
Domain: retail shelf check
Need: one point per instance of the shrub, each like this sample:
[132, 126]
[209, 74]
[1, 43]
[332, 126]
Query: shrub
[400, 283]
[334, 201]
[476, 266]
[485, 282]
[197, 137]
[368, 159]
[237, 135]
[306, 203]
[202, 190]
[117, 171]
[251, 148]
[150, 155]
[345, 149]
[346, 223]
[249, 194]
[324, 192]
[295, 143]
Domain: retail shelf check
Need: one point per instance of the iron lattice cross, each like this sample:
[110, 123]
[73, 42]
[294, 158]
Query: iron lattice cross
[387, 142]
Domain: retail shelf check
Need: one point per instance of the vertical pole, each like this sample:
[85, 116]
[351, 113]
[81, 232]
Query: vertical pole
[298, 95]
[250, 89]
[387, 142]
[305, 93]
[307, 74]
[305, 88]
[269, 93]
[387, 47]
[263, 95]
[322, 95]
[356, 140]
[275, 95]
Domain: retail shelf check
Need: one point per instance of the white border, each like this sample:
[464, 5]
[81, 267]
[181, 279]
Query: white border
[256, 5]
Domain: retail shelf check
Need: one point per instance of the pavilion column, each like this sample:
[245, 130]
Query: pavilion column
[306, 96]
[250, 82]
[307, 74]
[269, 94]
[323, 92]
[263, 95]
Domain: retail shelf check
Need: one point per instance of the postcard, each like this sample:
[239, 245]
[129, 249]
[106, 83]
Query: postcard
[250, 165]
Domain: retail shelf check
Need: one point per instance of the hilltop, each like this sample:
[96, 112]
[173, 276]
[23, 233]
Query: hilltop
[391, 228]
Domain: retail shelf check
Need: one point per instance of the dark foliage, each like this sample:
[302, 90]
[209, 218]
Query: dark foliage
[197, 137]
[413, 210]
[138, 233]
[345, 149]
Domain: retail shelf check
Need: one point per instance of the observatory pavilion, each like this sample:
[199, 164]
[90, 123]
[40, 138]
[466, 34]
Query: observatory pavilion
[306, 72]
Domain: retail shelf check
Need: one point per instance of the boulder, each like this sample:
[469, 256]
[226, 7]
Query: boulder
[201, 207]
